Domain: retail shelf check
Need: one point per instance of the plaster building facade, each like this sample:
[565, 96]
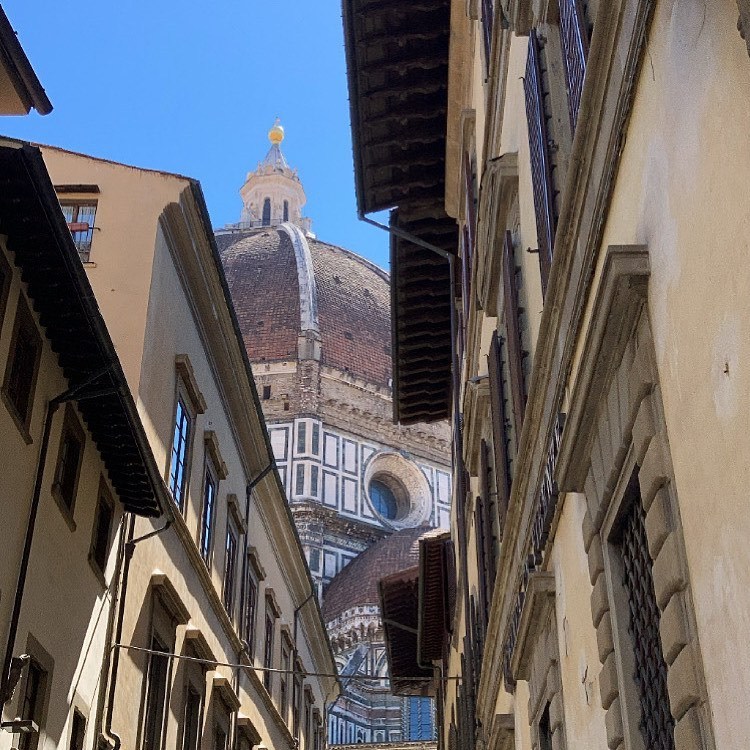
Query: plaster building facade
[356, 483]
[559, 173]
[218, 640]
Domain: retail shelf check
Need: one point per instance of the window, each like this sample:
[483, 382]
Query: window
[32, 703]
[266, 212]
[650, 674]
[80, 218]
[316, 439]
[286, 210]
[23, 365]
[314, 558]
[383, 500]
[69, 460]
[286, 657]
[180, 444]
[102, 529]
[314, 471]
[251, 607]
[301, 437]
[296, 698]
[230, 564]
[220, 738]
[420, 719]
[192, 719]
[78, 731]
[209, 511]
[268, 646]
[299, 481]
[266, 392]
[156, 696]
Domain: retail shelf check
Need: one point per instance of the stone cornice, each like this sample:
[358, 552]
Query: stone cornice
[614, 61]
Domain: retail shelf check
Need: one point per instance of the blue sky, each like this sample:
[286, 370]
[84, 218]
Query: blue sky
[193, 87]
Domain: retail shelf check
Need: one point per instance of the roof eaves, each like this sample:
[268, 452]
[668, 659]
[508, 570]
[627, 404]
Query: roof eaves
[26, 83]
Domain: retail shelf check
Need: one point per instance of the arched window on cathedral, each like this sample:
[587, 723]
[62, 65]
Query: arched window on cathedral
[267, 212]
[286, 210]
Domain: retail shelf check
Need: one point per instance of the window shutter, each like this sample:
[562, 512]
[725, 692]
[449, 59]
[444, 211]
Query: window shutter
[541, 170]
[513, 329]
[499, 438]
[574, 37]
[490, 548]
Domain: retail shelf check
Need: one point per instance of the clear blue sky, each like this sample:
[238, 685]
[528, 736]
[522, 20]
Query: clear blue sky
[193, 87]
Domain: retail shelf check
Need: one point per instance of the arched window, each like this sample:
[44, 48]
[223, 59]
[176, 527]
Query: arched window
[267, 212]
[286, 210]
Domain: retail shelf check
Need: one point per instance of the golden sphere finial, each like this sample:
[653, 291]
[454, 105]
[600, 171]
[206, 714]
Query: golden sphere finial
[276, 133]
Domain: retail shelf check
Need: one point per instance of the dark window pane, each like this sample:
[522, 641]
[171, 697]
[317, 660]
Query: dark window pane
[21, 375]
[31, 705]
[207, 518]
[191, 726]
[266, 212]
[156, 694]
[102, 530]
[230, 554]
[67, 467]
[268, 650]
[78, 731]
[220, 739]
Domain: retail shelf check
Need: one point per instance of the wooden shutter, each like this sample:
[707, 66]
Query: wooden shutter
[574, 38]
[513, 329]
[499, 438]
[541, 169]
[489, 547]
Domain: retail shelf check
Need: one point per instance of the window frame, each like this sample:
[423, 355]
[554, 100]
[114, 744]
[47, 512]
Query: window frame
[23, 322]
[71, 428]
[269, 641]
[76, 712]
[104, 500]
[230, 568]
[45, 663]
[82, 246]
[206, 530]
[181, 400]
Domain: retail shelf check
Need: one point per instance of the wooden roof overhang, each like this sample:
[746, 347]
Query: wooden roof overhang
[437, 595]
[397, 61]
[60, 293]
[399, 606]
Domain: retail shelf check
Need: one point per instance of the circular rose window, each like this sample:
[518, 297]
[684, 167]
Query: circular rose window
[398, 491]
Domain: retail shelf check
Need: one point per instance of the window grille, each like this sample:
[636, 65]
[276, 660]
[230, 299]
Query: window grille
[539, 147]
[574, 38]
[656, 724]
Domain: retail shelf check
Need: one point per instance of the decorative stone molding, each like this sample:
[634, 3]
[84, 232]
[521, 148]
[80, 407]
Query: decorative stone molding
[223, 686]
[502, 733]
[163, 587]
[212, 448]
[519, 15]
[194, 636]
[538, 604]
[236, 512]
[498, 192]
[616, 423]
[185, 371]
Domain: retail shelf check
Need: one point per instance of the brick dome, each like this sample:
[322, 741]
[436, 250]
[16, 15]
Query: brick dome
[357, 584]
[286, 285]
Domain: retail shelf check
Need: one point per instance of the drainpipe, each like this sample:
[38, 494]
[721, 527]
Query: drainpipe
[71, 394]
[458, 438]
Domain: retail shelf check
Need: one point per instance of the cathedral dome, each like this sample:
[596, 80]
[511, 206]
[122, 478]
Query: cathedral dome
[357, 584]
[289, 288]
